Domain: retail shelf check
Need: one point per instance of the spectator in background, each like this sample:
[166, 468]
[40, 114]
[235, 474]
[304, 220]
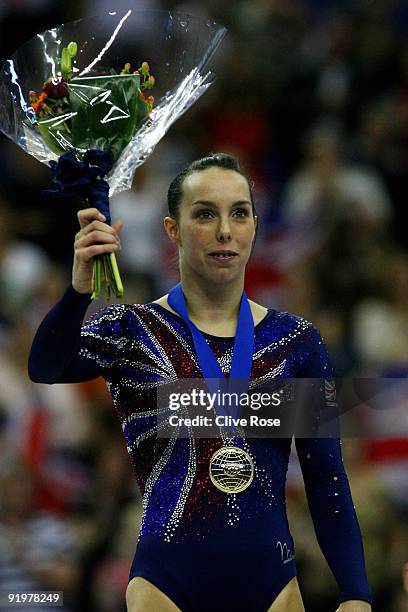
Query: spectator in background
[327, 189]
[23, 265]
[380, 323]
[37, 551]
[284, 65]
[344, 212]
[47, 425]
[142, 209]
[380, 141]
[38, 218]
[380, 340]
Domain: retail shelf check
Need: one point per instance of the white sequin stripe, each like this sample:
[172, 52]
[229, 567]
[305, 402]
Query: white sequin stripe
[302, 325]
[234, 509]
[144, 413]
[185, 490]
[165, 359]
[162, 360]
[176, 334]
[254, 382]
[142, 385]
[145, 367]
[84, 352]
[120, 342]
[113, 312]
[261, 475]
[225, 361]
[154, 475]
[146, 434]
[158, 360]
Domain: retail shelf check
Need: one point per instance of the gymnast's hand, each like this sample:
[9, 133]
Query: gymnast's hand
[94, 238]
[354, 605]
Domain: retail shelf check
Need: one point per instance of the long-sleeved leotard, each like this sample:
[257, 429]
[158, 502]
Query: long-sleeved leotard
[207, 550]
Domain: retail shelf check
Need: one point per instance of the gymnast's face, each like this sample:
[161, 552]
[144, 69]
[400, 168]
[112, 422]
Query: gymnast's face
[216, 226]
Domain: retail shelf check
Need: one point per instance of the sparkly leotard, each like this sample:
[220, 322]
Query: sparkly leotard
[205, 549]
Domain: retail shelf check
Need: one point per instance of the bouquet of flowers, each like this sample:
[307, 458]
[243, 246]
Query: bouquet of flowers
[78, 110]
[81, 102]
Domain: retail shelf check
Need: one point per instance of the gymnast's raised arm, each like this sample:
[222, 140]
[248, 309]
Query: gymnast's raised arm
[54, 355]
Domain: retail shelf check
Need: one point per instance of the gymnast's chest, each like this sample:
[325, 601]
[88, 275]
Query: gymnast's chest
[166, 358]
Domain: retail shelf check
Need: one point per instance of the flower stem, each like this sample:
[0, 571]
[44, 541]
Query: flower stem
[115, 276]
[108, 264]
[96, 277]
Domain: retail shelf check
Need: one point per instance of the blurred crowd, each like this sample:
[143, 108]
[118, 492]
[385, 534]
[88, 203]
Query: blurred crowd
[312, 96]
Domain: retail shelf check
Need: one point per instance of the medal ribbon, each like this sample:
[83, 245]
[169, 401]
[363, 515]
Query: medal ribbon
[242, 352]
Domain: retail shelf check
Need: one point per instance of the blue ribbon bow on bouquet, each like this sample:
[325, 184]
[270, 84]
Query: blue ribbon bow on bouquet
[85, 179]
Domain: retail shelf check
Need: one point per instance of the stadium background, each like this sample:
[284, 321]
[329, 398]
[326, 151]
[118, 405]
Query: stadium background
[312, 95]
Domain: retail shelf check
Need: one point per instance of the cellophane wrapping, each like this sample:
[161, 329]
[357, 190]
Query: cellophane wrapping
[104, 110]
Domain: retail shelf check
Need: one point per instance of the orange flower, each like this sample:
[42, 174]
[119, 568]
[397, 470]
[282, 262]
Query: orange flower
[39, 104]
[150, 102]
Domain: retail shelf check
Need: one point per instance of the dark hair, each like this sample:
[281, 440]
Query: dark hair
[218, 160]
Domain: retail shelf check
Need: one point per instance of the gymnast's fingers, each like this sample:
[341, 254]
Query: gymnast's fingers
[87, 215]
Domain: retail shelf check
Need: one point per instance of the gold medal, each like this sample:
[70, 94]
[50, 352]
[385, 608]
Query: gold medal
[231, 469]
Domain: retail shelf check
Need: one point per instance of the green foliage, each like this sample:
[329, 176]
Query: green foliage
[67, 55]
[107, 110]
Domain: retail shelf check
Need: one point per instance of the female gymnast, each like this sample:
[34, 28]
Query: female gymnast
[205, 546]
